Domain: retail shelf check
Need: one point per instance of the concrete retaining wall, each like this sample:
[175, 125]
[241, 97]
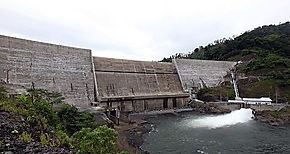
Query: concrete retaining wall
[57, 68]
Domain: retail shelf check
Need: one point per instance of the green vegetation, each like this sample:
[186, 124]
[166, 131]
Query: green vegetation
[72, 120]
[265, 88]
[64, 126]
[265, 53]
[269, 61]
[11, 106]
[64, 139]
[221, 93]
[272, 39]
[3, 93]
[98, 140]
[44, 139]
[25, 137]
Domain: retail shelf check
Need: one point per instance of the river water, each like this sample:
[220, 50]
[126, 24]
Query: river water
[236, 132]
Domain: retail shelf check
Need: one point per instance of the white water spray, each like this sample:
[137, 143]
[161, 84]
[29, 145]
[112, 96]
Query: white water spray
[235, 117]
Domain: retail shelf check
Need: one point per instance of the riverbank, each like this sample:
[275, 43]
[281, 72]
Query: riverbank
[130, 135]
[209, 108]
[274, 118]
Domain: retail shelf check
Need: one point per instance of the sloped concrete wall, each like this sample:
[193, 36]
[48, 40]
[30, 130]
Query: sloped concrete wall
[57, 68]
[132, 66]
[137, 86]
[118, 77]
[211, 72]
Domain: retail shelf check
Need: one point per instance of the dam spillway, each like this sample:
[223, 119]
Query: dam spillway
[235, 117]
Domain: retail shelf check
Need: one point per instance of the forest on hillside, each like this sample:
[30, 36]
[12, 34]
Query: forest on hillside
[265, 56]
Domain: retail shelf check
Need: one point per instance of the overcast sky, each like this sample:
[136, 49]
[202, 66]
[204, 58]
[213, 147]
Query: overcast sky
[135, 29]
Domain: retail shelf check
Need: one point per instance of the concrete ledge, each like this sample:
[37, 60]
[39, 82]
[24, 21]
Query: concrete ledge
[173, 111]
[140, 97]
[137, 72]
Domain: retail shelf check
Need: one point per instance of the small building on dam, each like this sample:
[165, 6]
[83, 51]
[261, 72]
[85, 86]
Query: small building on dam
[84, 80]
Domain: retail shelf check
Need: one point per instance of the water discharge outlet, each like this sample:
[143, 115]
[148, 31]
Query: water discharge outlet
[239, 116]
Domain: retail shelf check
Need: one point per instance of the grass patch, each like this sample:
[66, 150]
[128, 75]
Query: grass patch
[26, 137]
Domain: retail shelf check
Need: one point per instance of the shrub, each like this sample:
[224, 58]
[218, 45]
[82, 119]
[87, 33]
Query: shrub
[64, 139]
[25, 137]
[37, 121]
[216, 93]
[78, 136]
[268, 61]
[11, 106]
[87, 138]
[73, 121]
[23, 99]
[40, 111]
[49, 140]
[100, 140]
[3, 93]
[44, 139]
[42, 94]
[41, 115]
[45, 109]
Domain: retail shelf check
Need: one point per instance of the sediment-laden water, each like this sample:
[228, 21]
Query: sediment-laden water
[231, 133]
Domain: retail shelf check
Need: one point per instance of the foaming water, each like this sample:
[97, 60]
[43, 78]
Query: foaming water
[233, 118]
[191, 133]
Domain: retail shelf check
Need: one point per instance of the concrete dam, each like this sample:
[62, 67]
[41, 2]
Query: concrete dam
[84, 80]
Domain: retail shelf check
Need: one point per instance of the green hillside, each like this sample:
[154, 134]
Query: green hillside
[265, 56]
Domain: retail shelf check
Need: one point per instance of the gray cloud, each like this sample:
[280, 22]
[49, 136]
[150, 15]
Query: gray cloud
[132, 29]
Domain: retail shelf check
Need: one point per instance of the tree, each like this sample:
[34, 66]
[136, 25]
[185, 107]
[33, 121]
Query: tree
[3, 92]
[72, 120]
